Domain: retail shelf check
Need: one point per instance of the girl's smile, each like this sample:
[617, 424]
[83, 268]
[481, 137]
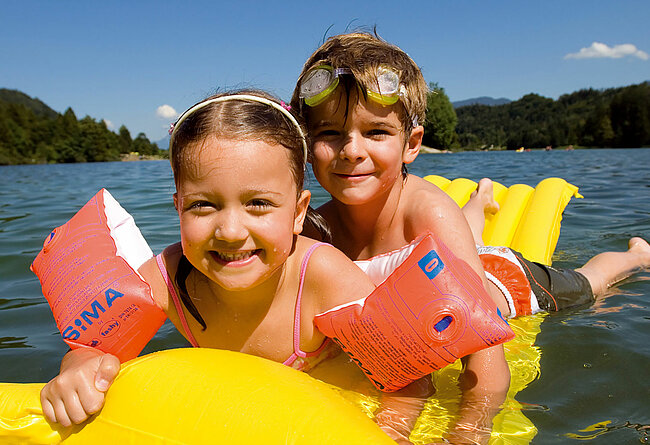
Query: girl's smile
[236, 259]
[238, 216]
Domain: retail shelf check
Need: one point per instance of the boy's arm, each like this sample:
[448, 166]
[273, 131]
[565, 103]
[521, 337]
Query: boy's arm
[486, 376]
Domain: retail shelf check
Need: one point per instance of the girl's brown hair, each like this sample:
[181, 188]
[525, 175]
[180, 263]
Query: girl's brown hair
[237, 119]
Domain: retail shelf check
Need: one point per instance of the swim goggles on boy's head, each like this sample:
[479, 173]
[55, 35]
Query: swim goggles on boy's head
[319, 82]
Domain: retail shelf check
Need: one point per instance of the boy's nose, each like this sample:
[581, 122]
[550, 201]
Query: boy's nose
[352, 149]
[230, 227]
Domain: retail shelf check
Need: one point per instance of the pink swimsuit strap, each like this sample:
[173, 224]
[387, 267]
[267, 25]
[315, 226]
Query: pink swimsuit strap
[297, 352]
[296, 321]
[175, 299]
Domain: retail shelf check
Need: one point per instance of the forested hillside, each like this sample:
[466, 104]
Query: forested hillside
[616, 117]
[31, 132]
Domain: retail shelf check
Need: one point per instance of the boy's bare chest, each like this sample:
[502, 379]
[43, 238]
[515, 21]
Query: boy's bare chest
[362, 248]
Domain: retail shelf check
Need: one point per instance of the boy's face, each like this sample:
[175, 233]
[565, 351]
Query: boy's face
[358, 158]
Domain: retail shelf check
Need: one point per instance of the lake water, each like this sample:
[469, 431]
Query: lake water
[595, 362]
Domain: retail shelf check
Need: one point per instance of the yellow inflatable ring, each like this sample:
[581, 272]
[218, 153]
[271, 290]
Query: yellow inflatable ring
[198, 396]
[212, 396]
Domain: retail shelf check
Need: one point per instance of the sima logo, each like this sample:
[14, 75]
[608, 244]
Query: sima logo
[84, 320]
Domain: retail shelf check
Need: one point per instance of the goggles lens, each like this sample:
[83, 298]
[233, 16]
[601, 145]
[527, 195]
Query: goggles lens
[322, 80]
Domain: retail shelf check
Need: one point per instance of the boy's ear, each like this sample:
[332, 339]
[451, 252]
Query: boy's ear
[413, 145]
[301, 211]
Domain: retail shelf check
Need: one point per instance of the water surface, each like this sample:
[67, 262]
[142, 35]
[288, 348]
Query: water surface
[595, 360]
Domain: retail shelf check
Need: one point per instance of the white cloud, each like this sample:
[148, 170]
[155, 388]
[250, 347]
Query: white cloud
[599, 50]
[166, 112]
[110, 125]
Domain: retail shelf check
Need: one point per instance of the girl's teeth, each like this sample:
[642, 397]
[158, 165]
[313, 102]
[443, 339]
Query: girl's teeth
[234, 256]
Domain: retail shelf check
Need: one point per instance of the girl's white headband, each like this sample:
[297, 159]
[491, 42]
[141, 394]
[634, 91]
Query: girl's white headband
[249, 97]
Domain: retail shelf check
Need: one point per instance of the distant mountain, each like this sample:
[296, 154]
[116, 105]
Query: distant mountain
[17, 97]
[483, 100]
[163, 144]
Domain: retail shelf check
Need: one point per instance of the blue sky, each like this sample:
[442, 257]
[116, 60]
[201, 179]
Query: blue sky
[121, 61]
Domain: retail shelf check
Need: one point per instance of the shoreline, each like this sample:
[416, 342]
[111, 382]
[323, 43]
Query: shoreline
[135, 156]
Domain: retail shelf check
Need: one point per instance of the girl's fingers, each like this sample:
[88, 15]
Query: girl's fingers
[71, 409]
[108, 368]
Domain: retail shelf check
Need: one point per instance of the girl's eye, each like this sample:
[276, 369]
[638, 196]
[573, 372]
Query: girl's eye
[260, 204]
[200, 205]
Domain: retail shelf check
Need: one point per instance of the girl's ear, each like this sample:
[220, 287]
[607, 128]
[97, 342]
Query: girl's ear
[176, 201]
[301, 211]
[413, 146]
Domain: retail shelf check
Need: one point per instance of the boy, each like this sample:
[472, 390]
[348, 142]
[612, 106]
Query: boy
[364, 101]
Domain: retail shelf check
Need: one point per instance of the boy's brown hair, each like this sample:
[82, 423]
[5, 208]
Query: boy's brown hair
[363, 53]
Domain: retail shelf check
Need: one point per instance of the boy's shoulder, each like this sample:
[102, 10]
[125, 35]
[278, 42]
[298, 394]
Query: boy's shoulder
[426, 204]
[423, 195]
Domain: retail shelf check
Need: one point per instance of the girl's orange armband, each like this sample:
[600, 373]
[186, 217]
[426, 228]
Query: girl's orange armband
[429, 312]
[88, 273]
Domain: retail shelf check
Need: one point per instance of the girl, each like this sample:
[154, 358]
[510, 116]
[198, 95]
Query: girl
[242, 278]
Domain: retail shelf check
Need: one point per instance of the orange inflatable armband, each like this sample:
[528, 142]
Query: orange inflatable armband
[88, 273]
[431, 311]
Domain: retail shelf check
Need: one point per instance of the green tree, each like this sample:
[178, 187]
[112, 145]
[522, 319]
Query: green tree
[124, 140]
[441, 120]
[630, 116]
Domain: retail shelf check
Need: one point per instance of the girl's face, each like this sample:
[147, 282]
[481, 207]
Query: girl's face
[238, 210]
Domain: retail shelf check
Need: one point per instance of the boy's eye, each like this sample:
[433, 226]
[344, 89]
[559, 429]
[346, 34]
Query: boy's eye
[326, 133]
[378, 132]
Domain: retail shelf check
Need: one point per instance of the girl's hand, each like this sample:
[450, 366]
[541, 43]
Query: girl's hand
[78, 391]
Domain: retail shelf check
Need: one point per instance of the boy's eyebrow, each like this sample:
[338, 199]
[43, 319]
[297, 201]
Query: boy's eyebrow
[384, 124]
[375, 123]
[322, 123]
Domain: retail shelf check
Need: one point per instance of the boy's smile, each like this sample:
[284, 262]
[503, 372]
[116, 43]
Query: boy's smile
[358, 157]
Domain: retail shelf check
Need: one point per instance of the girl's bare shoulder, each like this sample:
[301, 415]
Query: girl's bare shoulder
[153, 275]
[333, 276]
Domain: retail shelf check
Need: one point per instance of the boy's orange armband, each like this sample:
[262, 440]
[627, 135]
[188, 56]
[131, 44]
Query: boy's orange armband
[88, 273]
[431, 311]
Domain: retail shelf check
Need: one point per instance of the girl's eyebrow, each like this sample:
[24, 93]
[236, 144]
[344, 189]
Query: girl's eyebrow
[261, 191]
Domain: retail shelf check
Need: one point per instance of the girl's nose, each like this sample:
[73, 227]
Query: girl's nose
[230, 227]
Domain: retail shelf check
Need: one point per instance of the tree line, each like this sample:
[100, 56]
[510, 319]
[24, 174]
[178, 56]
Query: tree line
[31, 132]
[616, 117]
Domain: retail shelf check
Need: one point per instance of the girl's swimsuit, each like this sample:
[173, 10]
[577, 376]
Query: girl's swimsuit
[533, 287]
[300, 360]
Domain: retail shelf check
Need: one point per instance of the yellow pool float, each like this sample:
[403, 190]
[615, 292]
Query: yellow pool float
[205, 395]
